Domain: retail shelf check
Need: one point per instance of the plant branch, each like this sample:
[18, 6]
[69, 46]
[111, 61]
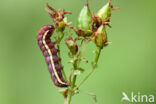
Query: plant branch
[75, 66]
[71, 88]
[59, 39]
[93, 68]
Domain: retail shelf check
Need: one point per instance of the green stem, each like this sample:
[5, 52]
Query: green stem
[94, 66]
[59, 39]
[71, 88]
[76, 63]
[97, 55]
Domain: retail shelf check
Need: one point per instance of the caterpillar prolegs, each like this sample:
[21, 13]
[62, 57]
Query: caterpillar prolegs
[50, 53]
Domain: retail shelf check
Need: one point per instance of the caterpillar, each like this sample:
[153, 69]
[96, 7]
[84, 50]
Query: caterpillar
[50, 53]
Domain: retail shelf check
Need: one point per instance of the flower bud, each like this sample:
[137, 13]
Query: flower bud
[73, 47]
[105, 12]
[85, 20]
[100, 36]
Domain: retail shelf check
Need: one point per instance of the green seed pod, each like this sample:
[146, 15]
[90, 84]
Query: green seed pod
[85, 20]
[105, 12]
[73, 47]
[61, 26]
[100, 36]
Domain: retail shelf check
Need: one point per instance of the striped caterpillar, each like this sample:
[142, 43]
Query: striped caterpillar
[50, 53]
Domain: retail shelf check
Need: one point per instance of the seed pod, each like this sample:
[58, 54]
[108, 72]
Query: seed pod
[73, 47]
[85, 20]
[61, 26]
[100, 36]
[105, 12]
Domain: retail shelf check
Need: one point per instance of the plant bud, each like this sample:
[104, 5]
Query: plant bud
[105, 12]
[73, 47]
[100, 36]
[85, 20]
[61, 26]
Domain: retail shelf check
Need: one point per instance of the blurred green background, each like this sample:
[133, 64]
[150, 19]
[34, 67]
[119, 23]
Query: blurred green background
[128, 64]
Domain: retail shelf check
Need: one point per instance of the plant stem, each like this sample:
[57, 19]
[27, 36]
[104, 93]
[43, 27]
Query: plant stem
[97, 55]
[94, 66]
[71, 88]
[76, 63]
[59, 39]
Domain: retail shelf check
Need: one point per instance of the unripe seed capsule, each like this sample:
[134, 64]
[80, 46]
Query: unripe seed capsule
[73, 47]
[61, 26]
[105, 12]
[100, 36]
[85, 19]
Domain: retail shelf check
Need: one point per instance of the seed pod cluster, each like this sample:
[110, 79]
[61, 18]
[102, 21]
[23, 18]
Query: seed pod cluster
[50, 53]
[100, 21]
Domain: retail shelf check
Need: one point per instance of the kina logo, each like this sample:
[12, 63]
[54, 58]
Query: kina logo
[137, 97]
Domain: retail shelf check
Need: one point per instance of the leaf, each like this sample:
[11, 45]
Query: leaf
[70, 55]
[71, 61]
[84, 60]
[65, 20]
[76, 91]
[81, 69]
[94, 65]
[63, 91]
[77, 72]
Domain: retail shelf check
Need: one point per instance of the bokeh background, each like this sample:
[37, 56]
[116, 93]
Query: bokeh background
[128, 64]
